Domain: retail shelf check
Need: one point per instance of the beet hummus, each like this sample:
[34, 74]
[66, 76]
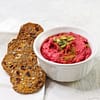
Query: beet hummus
[66, 48]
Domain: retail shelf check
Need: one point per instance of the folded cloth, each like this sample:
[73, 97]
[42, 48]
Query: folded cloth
[9, 25]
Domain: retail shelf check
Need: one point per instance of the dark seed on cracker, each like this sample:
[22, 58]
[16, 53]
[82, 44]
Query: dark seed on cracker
[23, 67]
[28, 74]
[17, 72]
[18, 80]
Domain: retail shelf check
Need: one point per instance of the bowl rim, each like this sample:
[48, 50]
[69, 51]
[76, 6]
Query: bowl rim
[59, 64]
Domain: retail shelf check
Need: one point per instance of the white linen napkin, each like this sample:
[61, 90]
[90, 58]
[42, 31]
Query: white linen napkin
[9, 25]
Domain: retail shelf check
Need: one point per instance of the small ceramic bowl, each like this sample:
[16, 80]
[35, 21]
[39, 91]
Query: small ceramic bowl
[65, 72]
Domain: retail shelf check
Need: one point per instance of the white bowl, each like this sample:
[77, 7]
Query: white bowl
[65, 72]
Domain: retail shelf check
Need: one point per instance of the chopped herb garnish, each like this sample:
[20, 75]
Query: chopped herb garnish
[63, 41]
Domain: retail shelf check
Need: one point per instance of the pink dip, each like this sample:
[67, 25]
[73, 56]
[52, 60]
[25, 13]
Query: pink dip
[66, 48]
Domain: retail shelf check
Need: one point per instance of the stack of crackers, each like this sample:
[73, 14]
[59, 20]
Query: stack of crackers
[20, 62]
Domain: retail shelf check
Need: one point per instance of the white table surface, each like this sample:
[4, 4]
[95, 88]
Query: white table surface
[51, 13]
